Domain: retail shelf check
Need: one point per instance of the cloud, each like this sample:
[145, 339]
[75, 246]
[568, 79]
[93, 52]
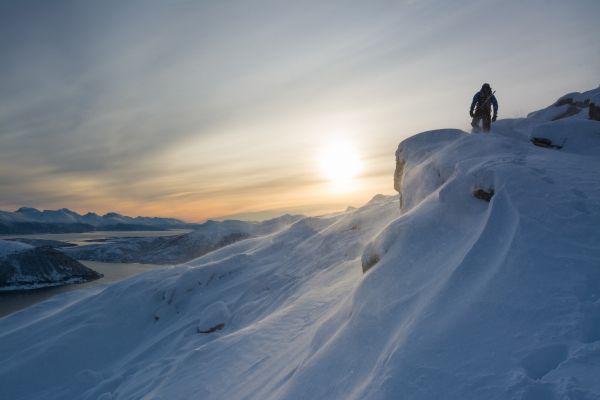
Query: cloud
[188, 107]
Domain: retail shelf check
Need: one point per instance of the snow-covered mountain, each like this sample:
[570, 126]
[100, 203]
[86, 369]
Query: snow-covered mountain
[485, 285]
[30, 220]
[205, 238]
[23, 266]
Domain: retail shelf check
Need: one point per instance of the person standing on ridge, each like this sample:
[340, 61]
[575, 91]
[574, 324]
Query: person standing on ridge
[483, 101]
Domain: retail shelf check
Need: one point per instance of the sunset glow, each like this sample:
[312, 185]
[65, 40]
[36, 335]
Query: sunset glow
[199, 110]
[340, 164]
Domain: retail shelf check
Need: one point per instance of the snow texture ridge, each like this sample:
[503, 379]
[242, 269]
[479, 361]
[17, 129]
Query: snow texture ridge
[462, 298]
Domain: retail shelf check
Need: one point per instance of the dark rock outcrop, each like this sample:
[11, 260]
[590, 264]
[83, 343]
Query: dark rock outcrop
[369, 262]
[485, 195]
[574, 107]
[545, 142]
[398, 177]
[212, 329]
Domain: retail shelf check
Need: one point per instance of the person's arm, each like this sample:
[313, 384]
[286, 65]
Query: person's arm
[495, 106]
[475, 99]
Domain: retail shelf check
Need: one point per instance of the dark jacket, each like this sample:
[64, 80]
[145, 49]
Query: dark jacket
[478, 101]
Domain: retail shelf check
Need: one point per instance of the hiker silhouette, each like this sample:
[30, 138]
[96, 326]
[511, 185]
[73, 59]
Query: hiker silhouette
[481, 108]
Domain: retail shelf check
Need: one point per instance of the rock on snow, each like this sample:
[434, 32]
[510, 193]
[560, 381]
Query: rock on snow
[462, 298]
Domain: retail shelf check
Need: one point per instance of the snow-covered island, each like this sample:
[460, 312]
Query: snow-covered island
[205, 238]
[23, 267]
[485, 284]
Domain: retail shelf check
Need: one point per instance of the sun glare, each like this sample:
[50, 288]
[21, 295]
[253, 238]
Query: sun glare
[340, 163]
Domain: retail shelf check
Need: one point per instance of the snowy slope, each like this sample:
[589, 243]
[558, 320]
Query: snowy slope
[206, 237]
[463, 298]
[9, 247]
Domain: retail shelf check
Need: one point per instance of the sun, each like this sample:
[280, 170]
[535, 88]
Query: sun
[340, 163]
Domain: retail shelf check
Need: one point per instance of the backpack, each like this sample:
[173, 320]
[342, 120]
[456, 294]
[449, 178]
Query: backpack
[484, 102]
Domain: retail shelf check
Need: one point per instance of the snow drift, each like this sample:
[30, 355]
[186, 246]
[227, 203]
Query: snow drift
[463, 297]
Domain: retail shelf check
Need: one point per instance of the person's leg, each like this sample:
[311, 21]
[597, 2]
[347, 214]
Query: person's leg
[475, 123]
[487, 122]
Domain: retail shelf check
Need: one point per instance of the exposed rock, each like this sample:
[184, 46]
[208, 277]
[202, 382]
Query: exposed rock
[398, 177]
[544, 142]
[570, 105]
[575, 107]
[369, 262]
[212, 329]
[485, 195]
[213, 317]
[572, 110]
[569, 100]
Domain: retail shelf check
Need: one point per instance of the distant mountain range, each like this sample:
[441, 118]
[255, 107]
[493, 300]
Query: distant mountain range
[27, 220]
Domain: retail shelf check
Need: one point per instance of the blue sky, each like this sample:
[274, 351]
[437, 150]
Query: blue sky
[198, 109]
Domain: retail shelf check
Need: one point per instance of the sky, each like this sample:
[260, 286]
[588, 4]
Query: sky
[249, 109]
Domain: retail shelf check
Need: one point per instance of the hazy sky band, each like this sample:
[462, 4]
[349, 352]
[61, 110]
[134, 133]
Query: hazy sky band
[196, 109]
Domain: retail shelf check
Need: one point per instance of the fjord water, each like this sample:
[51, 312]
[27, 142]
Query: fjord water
[11, 302]
[97, 236]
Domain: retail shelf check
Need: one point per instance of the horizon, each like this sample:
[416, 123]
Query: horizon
[249, 216]
[200, 111]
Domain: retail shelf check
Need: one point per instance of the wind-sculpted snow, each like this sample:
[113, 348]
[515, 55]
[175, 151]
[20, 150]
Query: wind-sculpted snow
[145, 335]
[463, 299]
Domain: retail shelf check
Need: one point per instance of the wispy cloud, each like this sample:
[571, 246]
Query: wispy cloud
[193, 109]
